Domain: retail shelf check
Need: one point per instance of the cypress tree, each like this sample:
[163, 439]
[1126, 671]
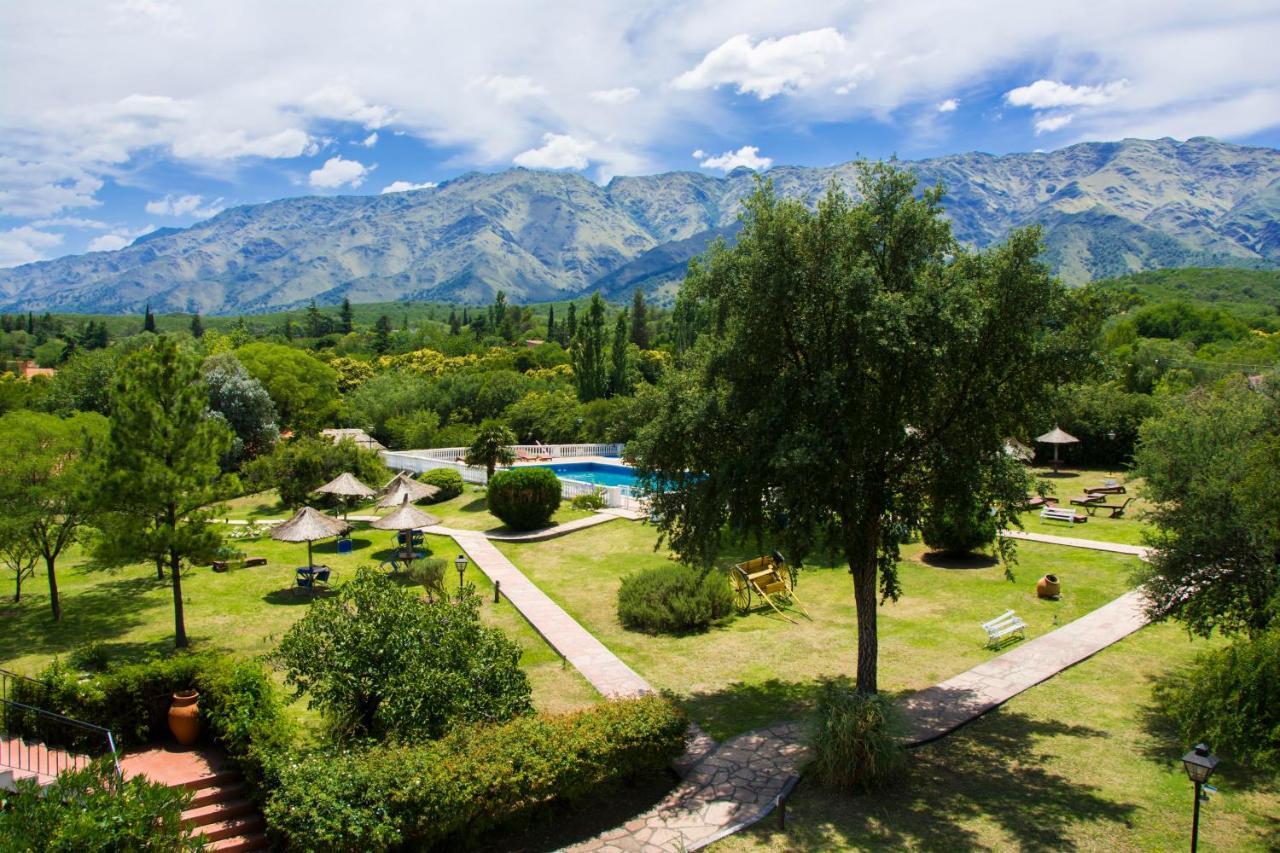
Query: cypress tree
[551, 324]
[588, 353]
[346, 318]
[148, 320]
[454, 325]
[619, 384]
[382, 335]
[197, 327]
[639, 321]
[315, 323]
[571, 324]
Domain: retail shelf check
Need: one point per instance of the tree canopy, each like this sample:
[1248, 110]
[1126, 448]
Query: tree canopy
[851, 356]
[303, 388]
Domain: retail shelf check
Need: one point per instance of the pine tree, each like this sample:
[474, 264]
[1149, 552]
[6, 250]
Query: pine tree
[31, 323]
[466, 318]
[197, 327]
[619, 381]
[499, 309]
[346, 317]
[382, 335]
[588, 353]
[551, 323]
[315, 323]
[289, 331]
[571, 324]
[148, 320]
[639, 320]
[455, 325]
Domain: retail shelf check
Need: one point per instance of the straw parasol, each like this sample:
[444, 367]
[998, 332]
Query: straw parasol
[308, 525]
[1057, 437]
[345, 486]
[402, 484]
[406, 517]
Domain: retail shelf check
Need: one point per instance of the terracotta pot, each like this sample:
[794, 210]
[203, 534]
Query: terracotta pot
[1048, 587]
[184, 717]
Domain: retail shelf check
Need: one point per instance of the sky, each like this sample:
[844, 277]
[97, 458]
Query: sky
[121, 116]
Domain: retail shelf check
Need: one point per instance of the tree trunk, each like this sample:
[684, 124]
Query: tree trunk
[179, 622]
[861, 546]
[159, 569]
[53, 589]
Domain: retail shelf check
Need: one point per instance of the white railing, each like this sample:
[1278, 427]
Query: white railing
[413, 460]
[558, 451]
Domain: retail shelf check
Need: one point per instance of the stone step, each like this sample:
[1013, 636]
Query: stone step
[236, 790]
[250, 841]
[212, 780]
[214, 812]
[231, 828]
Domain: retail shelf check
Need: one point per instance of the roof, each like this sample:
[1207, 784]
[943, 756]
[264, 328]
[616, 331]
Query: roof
[346, 485]
[405, 517]
[359, 436]
[402, 484]
[1057, 436]
[308, 525]
[28, 369]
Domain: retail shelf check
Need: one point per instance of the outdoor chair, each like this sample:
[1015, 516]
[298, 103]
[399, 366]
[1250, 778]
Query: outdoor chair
[1114, 510]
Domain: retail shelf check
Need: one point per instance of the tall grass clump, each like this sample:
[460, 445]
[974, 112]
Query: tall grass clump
[856, 739]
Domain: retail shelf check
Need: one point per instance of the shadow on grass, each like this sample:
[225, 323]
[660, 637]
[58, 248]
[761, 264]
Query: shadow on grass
[989, 772]
[94, 615]
[477, 505]
[293, 595]
[742, 707]
[358, 543]
[940, 560]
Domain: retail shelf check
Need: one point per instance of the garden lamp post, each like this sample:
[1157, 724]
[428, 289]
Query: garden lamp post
[1199, 764]
[1111, 441]
[461, 565]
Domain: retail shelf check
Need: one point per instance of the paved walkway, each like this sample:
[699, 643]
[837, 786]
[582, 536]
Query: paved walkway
[1076, 542]
[553, 532]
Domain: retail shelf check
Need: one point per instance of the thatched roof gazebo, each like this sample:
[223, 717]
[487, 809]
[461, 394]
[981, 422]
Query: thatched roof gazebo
[345, 486]
[308, 525]
[1056, 437]
[405, 517]
[402, 484]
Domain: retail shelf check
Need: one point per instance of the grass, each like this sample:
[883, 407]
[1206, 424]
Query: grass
[759, 668]
[1071, 483]
[241, 612]
[1079, 762]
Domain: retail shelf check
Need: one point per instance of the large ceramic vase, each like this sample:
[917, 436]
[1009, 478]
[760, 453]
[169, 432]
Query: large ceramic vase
[184, 717]
[1048, 587]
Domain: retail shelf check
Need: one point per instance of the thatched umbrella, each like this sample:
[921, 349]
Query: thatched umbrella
[405, 517]
[345, 486]
[1057, 437]
[402, 484]
[308, 525]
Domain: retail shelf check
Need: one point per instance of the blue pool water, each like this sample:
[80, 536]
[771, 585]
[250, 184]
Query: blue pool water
[594, 472]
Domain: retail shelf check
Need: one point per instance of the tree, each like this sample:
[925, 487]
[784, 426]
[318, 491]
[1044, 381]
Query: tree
[244, 403]
[491, 447]
[570, 329]
[851, 351]
[639, 320]
[298, 467]
[619, 370]
[18, 553]
[346, 318]
[159, 474]
[1208, 463]
[148, 320]
[455, 326]
[43, 493]
[551, 323]
[589, 353]
[197, 327]
[304, 389]
[382, 335]
[315, 321]
[383, 663]
[84, 383]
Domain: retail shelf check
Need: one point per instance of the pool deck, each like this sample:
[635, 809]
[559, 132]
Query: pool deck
[569, 460]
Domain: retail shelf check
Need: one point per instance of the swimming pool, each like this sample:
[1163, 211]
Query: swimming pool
[595, 473]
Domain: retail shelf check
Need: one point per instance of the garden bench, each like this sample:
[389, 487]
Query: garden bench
[1061, 513]
[1004, 627]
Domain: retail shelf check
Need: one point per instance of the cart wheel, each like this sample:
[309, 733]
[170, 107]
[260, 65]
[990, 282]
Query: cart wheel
[741, 592]
[784, 575]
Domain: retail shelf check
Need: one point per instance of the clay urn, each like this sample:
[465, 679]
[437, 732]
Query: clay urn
[1048, 587]
[184, 717]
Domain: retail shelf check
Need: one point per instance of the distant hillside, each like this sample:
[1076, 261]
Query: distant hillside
[1108, 209]
[1246, 293]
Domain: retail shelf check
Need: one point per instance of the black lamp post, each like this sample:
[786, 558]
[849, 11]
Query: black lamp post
[461, 565]
[1199, 764]
[1111, 439]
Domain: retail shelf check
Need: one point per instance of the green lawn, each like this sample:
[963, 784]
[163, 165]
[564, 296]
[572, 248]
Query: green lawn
[1072, 483]
[1079, 762]
[760, 668]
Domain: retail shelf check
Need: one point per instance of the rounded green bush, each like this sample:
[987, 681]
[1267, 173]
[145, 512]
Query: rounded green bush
[524, 498]
[673, 599]
[447, 480]
[958, 525]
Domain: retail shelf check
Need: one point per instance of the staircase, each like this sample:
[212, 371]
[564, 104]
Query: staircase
[222, 812]
[22, 760]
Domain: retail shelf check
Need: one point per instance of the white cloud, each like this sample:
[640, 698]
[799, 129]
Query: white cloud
[341, 101]
[769, 68]
[950, 105]
[109, 242]
[615, 96]
[699, 154]
[508, 89]
[370, 140]
[233, 144]
[405, 186]
[25, 244]
[747, 155]
[1047, 94]
[1048, 124]
[558, 151]
[337, 172]
[72, 222]
[184, 205]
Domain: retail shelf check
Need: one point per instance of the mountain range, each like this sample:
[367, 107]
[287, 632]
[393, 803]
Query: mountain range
[1107, 208]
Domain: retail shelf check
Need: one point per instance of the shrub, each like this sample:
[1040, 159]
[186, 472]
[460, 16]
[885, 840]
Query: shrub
[91, 657]
[429, 574]
[298, 466]
[476, 778]
[591, 501]
[382, 663]
[447, 480]
[673, 598]
[524, 498]
[958, 524]
[856, 739]
[1230, 699]
[84, 810]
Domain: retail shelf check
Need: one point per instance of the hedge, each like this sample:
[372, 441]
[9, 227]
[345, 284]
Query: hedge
[524, 498]
[673, 598]
[447, 480]
[474, 779]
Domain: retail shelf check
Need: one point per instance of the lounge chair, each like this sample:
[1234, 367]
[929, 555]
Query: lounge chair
[1114, 510]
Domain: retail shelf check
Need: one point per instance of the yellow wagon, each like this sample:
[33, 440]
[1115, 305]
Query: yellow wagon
[766, 578]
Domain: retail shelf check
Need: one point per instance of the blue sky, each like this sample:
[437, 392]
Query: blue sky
[121, 116]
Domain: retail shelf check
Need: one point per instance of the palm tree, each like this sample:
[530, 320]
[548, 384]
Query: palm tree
[491, 448]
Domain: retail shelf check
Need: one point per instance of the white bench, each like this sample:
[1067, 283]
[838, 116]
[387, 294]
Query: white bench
[1060, 513]
[1003, 627]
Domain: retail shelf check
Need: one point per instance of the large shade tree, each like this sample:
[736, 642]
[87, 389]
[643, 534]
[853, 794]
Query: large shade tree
[43, 495]
[159, 473]
[850, 357]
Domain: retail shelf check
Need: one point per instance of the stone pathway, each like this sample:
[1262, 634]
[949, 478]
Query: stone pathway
[732, 788]
[1075, 542]
[601, 517]
[943, 708]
